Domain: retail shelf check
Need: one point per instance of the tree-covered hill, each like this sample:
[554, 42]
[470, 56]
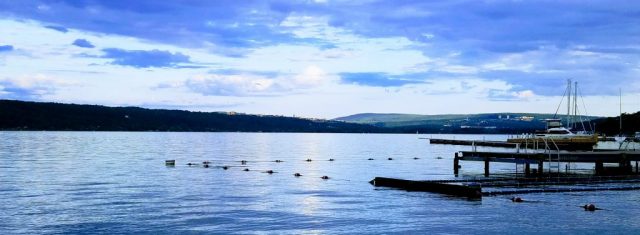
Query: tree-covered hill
[21, 115]
[611, 125]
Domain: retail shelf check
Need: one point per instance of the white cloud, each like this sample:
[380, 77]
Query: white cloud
[304, 72]
[304, 26]
[254, 84]
[460, 69]
[231, 85]
[312, 76]
[34, 81]
[525, 95]
[30, 86]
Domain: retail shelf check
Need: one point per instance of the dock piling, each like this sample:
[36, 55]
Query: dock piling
[456, 165]
[627, 167]
[540, 168]
[486, 167]
[599, 168]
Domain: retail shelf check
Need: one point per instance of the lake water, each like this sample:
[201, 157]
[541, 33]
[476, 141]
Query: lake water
[117, 183]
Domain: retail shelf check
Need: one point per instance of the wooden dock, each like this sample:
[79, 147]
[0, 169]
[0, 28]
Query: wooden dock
[620, 178]
[517, 143]
[503, 144]
[607, 157]
[623, 158]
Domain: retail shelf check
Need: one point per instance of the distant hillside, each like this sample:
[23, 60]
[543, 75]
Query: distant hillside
[456, 123]
[393, 118]
[20, 115]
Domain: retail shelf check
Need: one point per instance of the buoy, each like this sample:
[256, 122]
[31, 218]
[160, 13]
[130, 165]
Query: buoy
[225, 167]
[324, 177]
[206, 162]
[246, 169]
[389, 159]
[170, 162]
[370, 159]
[278, 161]
[297, 174]
[308, 159]
[269, 172]
[516, 199]
[589, 207]
[206, 165]
[331, 159]
[416, 158]
[243, 162]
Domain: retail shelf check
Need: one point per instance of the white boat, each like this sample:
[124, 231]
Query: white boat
[557, 136]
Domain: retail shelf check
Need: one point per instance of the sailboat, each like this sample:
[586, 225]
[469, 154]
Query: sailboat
[556, 136]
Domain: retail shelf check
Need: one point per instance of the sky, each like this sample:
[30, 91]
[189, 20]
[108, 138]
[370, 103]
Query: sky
[323, 58]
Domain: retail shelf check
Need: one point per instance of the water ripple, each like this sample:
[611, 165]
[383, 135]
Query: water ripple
[117, 183]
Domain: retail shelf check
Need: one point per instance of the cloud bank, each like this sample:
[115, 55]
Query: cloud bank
[506, 51]
[144, 59]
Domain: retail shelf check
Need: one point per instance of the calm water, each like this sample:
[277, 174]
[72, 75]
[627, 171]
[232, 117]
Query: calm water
[102, 182]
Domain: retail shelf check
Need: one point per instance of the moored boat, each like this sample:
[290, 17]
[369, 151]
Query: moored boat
[556, 137]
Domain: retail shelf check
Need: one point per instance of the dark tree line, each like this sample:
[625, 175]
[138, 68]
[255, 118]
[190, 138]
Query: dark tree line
[611, 125]
[22, 115]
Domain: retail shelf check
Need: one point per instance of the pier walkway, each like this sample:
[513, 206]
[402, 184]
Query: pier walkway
[503, 144]
[623, 158]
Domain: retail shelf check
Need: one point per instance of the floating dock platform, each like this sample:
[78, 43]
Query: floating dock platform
[474, 188]
[449, 188]
[619, 178]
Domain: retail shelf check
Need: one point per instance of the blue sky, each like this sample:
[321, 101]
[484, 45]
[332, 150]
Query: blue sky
[322, 58]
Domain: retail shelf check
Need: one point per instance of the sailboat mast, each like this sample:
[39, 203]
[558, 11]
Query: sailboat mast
[568, 102]
[621, 111]
[575, 105]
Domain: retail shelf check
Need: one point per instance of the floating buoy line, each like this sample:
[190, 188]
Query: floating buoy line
[227, 165]
[494, 182]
